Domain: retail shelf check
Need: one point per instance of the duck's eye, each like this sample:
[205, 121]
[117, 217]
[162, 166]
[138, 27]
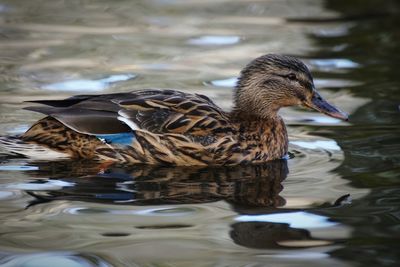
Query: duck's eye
[291, 76]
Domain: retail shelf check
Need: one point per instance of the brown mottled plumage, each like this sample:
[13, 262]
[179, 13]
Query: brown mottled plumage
[174, 128]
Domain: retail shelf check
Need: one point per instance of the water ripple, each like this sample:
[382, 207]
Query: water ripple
[324, 144]
[168, 211]
[209, 40]
[164, 211]
[297, 219]
[18, 168]
[334, 83]
[53, 259]
[40, 185]
[333, 32]
[228, 82]
[334, 63]
[88, 85]
[6, 195]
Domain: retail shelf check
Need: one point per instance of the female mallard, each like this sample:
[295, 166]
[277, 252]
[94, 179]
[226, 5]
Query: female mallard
[175, 128]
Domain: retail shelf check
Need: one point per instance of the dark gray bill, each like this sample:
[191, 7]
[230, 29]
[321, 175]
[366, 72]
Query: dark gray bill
[321, 105]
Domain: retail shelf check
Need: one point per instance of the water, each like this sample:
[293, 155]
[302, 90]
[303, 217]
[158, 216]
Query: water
[335, 202]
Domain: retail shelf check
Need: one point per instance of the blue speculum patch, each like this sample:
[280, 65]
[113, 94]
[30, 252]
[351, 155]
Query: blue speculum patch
[118, 138]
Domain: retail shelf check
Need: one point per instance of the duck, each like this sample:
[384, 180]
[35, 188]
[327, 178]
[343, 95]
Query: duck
[175, 128]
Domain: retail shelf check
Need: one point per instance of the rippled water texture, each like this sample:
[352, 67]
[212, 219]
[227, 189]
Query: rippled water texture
[334, 202]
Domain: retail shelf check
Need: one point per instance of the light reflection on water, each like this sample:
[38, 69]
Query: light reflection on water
[328, 145]
[88, 85]
[288, 213]
[54, 259]
[336, 63]
[297, 219]
[214, 40]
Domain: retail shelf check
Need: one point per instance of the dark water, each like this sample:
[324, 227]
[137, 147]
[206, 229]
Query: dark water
[334, 203]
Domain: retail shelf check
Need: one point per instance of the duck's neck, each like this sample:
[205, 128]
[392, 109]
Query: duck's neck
[240, 115]
[249, 123]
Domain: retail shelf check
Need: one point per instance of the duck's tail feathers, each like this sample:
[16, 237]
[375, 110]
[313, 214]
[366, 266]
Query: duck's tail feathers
[13, 145]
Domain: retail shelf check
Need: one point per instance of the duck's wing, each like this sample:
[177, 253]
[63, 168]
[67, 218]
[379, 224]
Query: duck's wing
[173, 112]
[154, 111]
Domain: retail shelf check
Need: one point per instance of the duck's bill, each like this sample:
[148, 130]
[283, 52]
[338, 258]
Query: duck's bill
[319, 104]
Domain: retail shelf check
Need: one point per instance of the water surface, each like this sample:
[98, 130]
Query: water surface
[334, 202]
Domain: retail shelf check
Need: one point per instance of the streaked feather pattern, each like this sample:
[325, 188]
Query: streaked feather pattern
[153, 127]
[169, 111]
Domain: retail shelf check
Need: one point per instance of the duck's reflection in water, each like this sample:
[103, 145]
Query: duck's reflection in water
[252, 186]
[250, 190]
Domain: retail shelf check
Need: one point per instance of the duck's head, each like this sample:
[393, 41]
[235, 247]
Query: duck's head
[273, 81]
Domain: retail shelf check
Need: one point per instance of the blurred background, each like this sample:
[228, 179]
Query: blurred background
[290, 213]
